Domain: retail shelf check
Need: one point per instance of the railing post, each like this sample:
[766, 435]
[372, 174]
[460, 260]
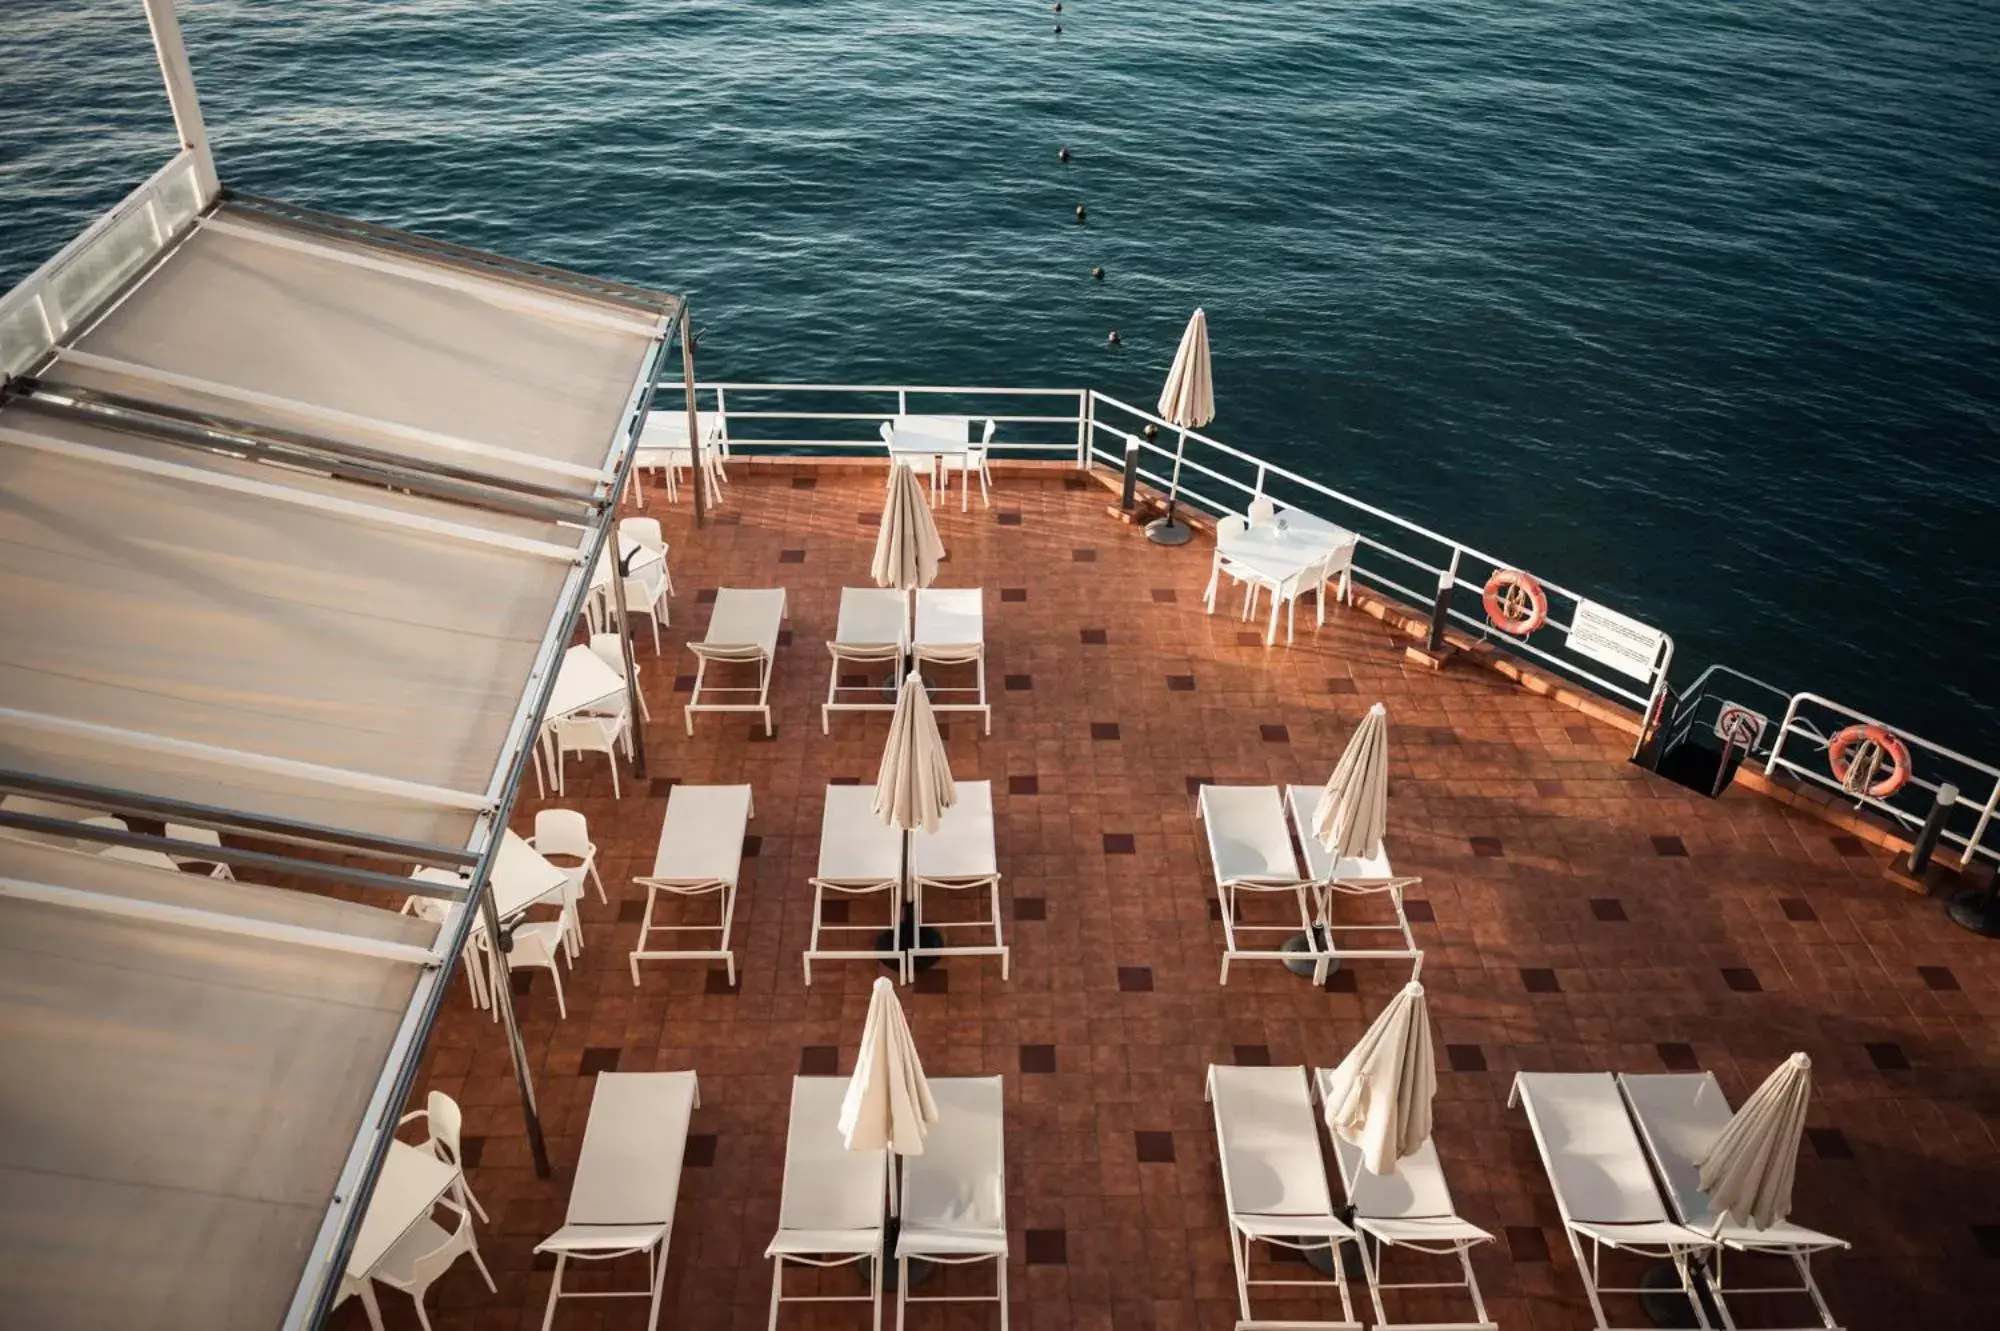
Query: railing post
[1925, 845]
[1130, 494]
[1440, 611]
[1979, 829]
[1257, 491]
[1085, 430]
[1778, 742]
[902, 402]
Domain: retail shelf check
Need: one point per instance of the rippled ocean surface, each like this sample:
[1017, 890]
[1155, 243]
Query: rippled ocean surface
[1692, 304]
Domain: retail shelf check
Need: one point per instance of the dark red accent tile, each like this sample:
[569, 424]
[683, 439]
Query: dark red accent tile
[631, 912]
[1013, 595]
[521, 983]
[683, 683]
[1165, 596]
[1677, 1057]
[1487, 847]
[1195, 783]
[1024, 785]
[1798, 909]
[1045, 1247]
[1251, 1055]
[1527, 1243]
[1083, 556]
[1939, 978]
[706, 596]
[805, 482]
[471, 1150]
[1038, 1058]
[791, 556]
[1154, 1148]
[1549, 788]
[1887, 1056]
[1420, 910]
[1580, 734]
[1008, 517]
[1019, 683]
[1670, 847]
[1987, 1239]
[598, 1059]
[1829, 1143]
[936, 980]
[1096, 638]
[1135, 979]
[727, 519]
[758, 735]
[1540, 980]
[867, 519]
[1742, 979]
[1180, 683]
[753, 846]
[784, 637]
[854, 681]
[1343, 981]
[1249, 638]
[819, 1060]
[662, 786]
[1608, 909]
[1075, 483]
[1274, 734]
[1031, 908]
[843, 781]
[1465, 1058]
[833, 912]
[1342, 685]
[1851, 846]
[1120, 843]
[716, 981]
[700, 1151]
[1104, 730]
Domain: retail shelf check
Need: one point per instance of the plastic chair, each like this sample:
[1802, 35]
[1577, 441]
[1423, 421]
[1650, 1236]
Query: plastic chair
[566, 833]
[645, 594]
[1263, 511]
[1228, 531]
[540, 943]
[205, 836]
[610, 649]
[444, 1123]
[427, 1252]
[588, 733]
[436, 911]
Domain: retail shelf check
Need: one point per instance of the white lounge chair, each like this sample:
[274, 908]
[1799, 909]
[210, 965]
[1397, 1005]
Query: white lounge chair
[955, 1192]
[1410, 1209]
[859, 856]
[700, 854]
[743, 628]
[959, 857]
[951, 631]
[1604, 1188]
[628, 1177]
[1335, 880]
[1274, 1181]
[873, 628]
[1250, 850]
[1679, 1115]
[830, 1210]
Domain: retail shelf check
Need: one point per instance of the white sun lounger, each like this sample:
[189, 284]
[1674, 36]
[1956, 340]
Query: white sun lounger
[1410, 1209]
[955, 1193]
[951, 631]
[1335, 879]
[959, 857]
[874, 627]
[700, 854]
[1604, 1188]
[627, 1179]
[859, 856]
[1679, 1116]
[1250, 849]
[831, 1211]
[1274, 1180]
[742, 628]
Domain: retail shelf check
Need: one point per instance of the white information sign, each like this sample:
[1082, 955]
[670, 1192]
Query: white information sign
[1615, 640]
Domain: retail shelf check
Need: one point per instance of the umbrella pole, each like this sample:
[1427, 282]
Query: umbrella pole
[1169, 530]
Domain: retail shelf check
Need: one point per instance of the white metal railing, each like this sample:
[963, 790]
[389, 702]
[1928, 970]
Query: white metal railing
[761, 428]
[53, 301]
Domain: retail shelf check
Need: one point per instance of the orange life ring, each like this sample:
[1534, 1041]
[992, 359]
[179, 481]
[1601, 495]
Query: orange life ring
[1894, 753]
[1515, 603]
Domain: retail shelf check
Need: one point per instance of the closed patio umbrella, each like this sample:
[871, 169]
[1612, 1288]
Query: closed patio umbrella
[913, 786]
[1379, 1098]
[1188, 402]
[1748, 1172]
[907, 545]
[1354, 809]
[888, 1103]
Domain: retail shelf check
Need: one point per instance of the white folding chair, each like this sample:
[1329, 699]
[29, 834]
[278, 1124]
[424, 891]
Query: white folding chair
[1679, 1115]
[959, 857]
[973, 462]
[628, 1178]
[1229, 530]
[1335, 881]
[1604, 1188]
[954, 1194]
[203, 836]
[1263, 511]
[873, 628]
[443, 1126]
[565, 834]
[700, 854]
[951, 631]
[538, 944]
[859, 856]
[1410, 1209]
[1274, 1183]
[831, 1204]
[1250, 851]
[589, 732]
[437, 910]
[743, 629]
[610, 649]
[426, 1252]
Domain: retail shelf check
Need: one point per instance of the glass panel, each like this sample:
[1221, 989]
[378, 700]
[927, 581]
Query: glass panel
[88, 277]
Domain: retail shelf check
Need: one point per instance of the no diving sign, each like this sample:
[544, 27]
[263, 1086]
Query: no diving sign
[1615, 640]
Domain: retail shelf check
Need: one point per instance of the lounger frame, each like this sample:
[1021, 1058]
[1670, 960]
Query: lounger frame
[819, 1099]
[975, 805]
[929, 651]
[735, 653]
[855, 604]
[1355, 880]
[691, 887]
[1223, 808]
[964, 1248]
[846, 805]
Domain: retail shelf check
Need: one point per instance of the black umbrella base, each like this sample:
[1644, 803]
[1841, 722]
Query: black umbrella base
[921, 1270]
[1977, 909]
[904, 937]
[1168, 531]
[1665, 1303]
[1321, 1260]
[1307, 964]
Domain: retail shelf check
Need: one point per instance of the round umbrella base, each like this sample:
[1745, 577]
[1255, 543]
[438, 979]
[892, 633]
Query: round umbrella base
[1321, 1260]
[1168, 531]
[904, 937]
[920, 1270]
[1977, 910]
[1665, 1303]
[1307, 963]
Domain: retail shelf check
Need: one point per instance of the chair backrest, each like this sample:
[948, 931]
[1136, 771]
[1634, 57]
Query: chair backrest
[1262, 510]
[534, 945]
[610, 649]
[425, 1269]
[1228, 530]
[642, 592]
[646, 531]
[991, 427]
[444, 1121]
[888, 433]
[597, 734]
[562, 832]
[432, 910]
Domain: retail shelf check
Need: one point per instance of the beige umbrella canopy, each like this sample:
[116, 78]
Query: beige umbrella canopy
[907, 546]
[1748, 1172]
[1379, 1098]
[1187, 401]
[1354, 810]
[888, 1102]
[913, 787]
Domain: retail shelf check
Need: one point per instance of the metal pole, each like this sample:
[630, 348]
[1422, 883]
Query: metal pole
[1131, 492]
[503, 1002]
[1440, 611]
[619, 604]
[1925, 845]
[694, 421]
[1167, 531]
[179, 78]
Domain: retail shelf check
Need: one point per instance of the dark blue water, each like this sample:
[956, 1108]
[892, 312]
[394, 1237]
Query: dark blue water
[1692, 304]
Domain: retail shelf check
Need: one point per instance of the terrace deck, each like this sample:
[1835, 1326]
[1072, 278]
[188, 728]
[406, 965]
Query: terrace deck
[1577, 913]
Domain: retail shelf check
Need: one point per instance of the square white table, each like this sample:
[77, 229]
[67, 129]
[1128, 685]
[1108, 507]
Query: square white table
[521, 877]
[945, 440]
[640, 556]
[1278, 553]
[663, 446]
[410, 1184]
[582, 680]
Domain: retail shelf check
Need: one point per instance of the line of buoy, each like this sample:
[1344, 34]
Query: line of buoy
[1062, 154]
[1114, 337]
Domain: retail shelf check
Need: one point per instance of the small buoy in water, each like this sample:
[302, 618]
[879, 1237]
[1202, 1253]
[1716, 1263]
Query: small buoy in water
[1152, 432]
[1058, 6]
[1114, 339]
[1058, 27]
[1062, 154]
[1097, 273]
[1080, 213]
